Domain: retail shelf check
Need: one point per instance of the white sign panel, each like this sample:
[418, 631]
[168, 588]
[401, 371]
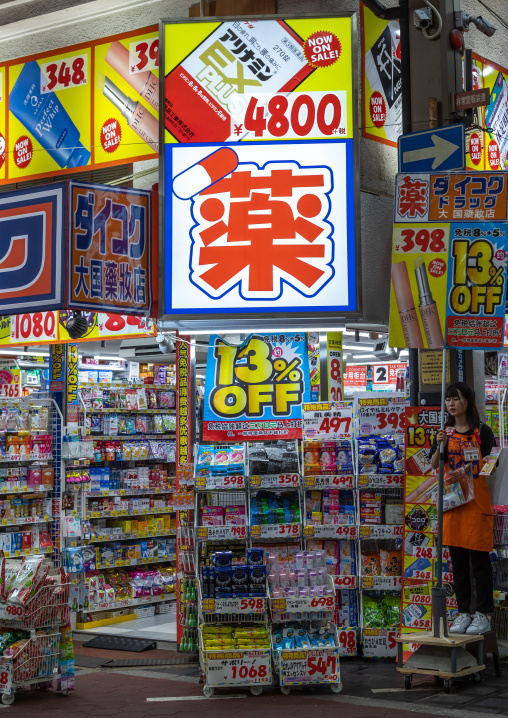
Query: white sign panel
[237, 668]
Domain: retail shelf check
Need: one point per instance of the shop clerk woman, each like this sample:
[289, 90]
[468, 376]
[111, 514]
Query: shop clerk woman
[468, 529]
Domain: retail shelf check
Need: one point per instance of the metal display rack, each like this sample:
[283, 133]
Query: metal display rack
[84, 499]
[16, 488]
[36, 662]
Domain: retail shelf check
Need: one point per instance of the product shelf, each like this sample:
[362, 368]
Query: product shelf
[127, 563]
[124, 492]
[26, 489]
[26, 521]
[129, 537]
[133, 411]
[28, 552]
[132, 603]
[124, 513]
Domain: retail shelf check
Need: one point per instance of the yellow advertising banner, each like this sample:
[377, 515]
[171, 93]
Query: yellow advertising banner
[418, 287]
[381, 78]
[84, 106]
[49, 328]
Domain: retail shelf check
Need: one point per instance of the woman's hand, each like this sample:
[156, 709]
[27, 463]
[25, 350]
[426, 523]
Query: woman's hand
[440, 436]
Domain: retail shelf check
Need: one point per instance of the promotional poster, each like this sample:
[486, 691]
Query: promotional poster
[449, 261]
[255, 390]
[78, 107]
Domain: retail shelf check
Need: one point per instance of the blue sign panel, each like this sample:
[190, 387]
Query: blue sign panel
[442, 149]
[32, 249]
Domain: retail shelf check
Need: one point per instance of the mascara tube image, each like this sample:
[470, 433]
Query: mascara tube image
[428, 307]
[138, 118]
[45, 118]
[146, 84]
[406, 306]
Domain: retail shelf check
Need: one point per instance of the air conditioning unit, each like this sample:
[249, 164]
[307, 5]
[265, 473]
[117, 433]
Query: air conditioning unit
[144, 350]
[385, 353]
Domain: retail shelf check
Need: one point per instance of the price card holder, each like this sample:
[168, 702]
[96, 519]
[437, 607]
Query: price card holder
[301, 667]
[5, 676]
[347, 641]
[237, 668]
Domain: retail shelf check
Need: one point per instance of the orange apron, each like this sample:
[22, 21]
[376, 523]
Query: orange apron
[471, 525]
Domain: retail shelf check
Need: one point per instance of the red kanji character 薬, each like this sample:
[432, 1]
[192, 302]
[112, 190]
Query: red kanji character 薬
[413, 197]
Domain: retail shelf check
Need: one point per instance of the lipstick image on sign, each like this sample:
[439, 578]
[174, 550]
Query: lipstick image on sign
[205, 173]
[428, 307]
[406, 306]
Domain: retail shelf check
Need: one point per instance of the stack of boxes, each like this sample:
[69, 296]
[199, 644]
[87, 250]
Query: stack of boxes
[225, 579]
[330, 507]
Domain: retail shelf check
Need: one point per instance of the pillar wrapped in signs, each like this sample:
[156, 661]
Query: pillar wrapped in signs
[185, 437]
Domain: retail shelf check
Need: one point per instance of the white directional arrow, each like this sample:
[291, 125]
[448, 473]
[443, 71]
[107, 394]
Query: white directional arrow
[440, 151]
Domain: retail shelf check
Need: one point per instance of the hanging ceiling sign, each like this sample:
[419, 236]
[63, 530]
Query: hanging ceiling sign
[109, 248]
[256, 390]
[260, 186]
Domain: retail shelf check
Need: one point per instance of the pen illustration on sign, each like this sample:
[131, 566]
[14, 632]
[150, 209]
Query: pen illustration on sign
[45, 118]
[145, 83]
[427, 307]
[138, 117]
[258, 227]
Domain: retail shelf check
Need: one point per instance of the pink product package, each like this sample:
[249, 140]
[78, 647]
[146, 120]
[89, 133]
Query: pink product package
[212, 516]
[332, 553]
[235, 516]
[34, 477]
[328, 458]
[331, 498]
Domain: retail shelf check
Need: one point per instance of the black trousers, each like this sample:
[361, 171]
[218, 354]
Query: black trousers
[482, 572]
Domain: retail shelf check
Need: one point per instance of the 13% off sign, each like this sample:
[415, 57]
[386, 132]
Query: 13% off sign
[299, 667]
[237, 668]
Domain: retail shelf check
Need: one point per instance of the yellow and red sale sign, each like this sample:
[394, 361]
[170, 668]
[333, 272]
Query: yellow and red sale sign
[84, 106]
[49, 328]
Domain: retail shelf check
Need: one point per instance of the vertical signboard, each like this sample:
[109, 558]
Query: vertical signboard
[335, 366]
[449, 261]
[256, 390]
[420, 526]
[72, 402]
[109, 264]
[57, 367]
[381, 78]
[259, 123]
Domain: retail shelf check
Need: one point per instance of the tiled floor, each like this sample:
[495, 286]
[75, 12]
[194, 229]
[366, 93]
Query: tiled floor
[159, 628]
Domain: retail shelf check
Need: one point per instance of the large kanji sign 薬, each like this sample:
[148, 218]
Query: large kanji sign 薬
[109, 248]
[32, 250]
[256, 390]
[267, 224]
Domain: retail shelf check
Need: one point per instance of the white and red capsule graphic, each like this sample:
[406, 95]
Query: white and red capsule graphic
[204, 173]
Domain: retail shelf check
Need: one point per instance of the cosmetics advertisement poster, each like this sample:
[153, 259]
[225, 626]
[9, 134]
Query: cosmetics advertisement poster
[381, 78]
[126, 98]
[418, 287]
[255, 390]
[496, 115]
[49, 114]
[109, 248]
[420, 525]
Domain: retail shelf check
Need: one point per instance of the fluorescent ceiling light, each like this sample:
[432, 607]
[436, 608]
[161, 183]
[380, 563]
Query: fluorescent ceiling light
[357, 347]
[365, 356]
[16, 352]
[108, 358]
[255, 330]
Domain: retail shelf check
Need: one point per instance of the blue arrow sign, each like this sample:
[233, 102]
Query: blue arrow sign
[440, 149]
